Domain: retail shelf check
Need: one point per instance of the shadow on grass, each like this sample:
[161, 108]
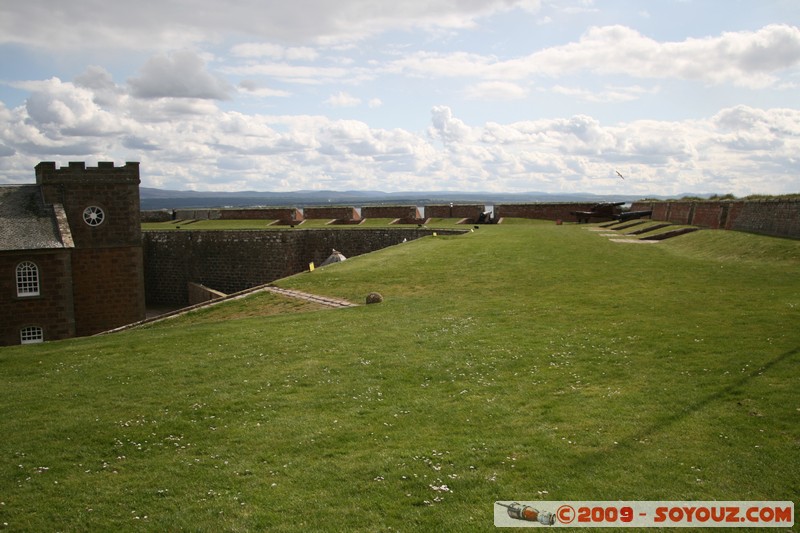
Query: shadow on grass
[664, 422]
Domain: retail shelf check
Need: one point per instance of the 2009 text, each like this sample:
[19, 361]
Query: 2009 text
[648, 514]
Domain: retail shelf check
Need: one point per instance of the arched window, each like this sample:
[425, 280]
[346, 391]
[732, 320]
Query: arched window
[31, 335]
[27, 279]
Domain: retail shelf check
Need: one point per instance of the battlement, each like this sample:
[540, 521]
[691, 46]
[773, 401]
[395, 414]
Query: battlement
[47, 173]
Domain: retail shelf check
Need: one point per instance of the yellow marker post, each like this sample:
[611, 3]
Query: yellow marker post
[311, 267]
[434, 234]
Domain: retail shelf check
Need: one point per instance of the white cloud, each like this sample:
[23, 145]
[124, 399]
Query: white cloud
[342, 99]
[274, 51]
[59, 110]
[456, 64]
[100, 82]
[179, 75]
[89, 24]
[447, 128]
[496, 90]
[256, 89]
[293, 152]
[578, 8]
[746, 59]
[302, 74]
[608, 94]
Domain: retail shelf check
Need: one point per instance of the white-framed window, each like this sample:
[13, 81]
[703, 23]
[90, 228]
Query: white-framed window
[93, 215]
[27, 279]
[31, 335]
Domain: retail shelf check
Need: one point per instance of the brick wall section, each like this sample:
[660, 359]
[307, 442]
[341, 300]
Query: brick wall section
[543, 211]
[680, 212]
[769, 217]
[266, 213]
[470, 211]
[231, 261]
[160, 215]
[109, 292]
[660, 211]
[779, 218]
[734, 210]
[51, 310]
[198, 214]
[390, 211]
[331, 213]
[710, 214]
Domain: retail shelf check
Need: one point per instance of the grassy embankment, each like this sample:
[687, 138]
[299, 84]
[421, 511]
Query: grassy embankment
[522, 361]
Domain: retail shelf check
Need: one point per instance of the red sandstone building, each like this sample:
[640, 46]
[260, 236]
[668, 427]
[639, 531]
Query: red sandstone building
[70, 253]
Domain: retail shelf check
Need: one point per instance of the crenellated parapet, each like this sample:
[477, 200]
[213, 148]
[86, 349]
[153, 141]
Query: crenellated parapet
[48, 173]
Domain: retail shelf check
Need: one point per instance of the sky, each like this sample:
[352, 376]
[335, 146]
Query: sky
[663, 97]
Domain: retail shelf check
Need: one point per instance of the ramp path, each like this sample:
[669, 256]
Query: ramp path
[326, 301]
[322, 300]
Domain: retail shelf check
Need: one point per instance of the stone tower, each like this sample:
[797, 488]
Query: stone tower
[102, 208]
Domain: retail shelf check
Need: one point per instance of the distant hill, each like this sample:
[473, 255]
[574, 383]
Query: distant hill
[167, 199]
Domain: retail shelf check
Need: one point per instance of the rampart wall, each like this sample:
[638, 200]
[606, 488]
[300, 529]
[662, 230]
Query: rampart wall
[198, 214]
[231, 261]
[390, 211]
[544, 211]
[157, 215]
[470, 211]
[779, 218]
[333, 213]
[270, 213]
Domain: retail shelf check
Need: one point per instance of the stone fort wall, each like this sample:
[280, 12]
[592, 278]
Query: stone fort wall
[778, 218]
[231, 261]
[542, 210]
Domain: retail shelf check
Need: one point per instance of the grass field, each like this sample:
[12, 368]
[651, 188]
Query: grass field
[526, 361]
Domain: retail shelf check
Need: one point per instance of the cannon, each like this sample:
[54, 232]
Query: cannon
[485, 218]
[633, 215]
[603, 211]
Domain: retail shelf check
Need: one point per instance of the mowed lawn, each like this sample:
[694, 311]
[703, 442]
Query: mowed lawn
[525, 361]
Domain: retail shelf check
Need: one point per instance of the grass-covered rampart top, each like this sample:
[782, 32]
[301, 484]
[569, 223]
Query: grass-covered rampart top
[728, 197]
[523, 362]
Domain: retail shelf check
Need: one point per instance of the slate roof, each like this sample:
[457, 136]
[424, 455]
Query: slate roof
[26, 223]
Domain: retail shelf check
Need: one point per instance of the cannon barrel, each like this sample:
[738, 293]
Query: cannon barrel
[607, 210]
[631, 215]
[485, 218]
